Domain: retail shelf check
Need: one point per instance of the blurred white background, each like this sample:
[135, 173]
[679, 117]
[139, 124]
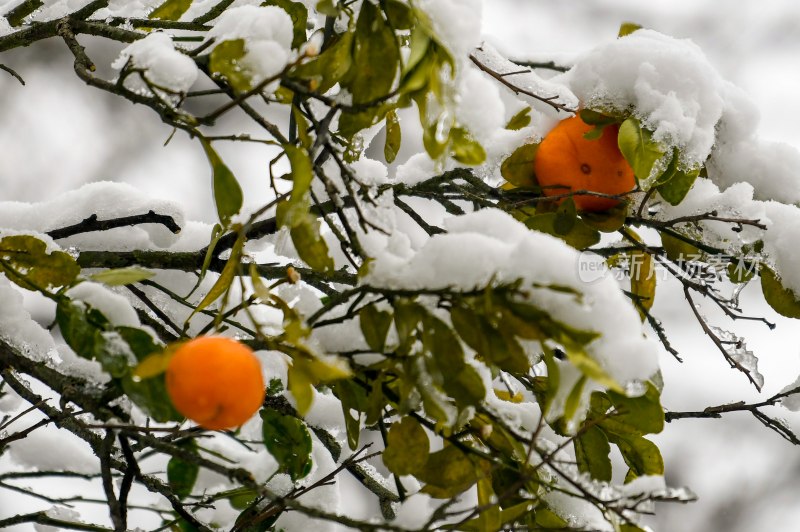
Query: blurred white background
[58, 134]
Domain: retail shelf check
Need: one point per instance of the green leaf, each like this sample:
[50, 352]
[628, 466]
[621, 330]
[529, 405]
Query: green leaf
[497, 346]
[300, 385]
[459, 380]
[631, 416]
[310, 246]
[377, 55]
[327, 8]
[139, 341]
[26, 262]
[91, 336]
[579, 358]
[302, 171]
[783, 300]
[642, 456]
[299, 15]
[151, 396]
[225, 279]
[466, 149]
[517, 169]
[407, 447]
[225, 61]
[400, 15]
[354, 402]
[329, 67]
[677, 249]
[182, 475]
[375, 326]
[447, 473]
[596, 118]
[573, 400]
[170, 10]
[227, 192]
[548, 519]
[637, 145]
[579, 235]
[520, 120]
[678, 185]
[626, 28]
[592, 453]
[393, 136]
[122, 276]
[287, 439]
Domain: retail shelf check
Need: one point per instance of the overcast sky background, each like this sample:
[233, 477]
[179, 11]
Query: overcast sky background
[58, 134]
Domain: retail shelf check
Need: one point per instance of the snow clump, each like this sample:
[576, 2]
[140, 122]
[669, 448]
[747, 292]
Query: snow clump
[165, 68]
[267, 33]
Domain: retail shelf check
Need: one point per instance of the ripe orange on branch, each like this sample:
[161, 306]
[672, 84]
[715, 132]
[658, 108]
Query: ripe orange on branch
[568, 162]
[215, 381]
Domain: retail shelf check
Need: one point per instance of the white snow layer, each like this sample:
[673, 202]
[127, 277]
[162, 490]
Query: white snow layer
[457, 23]
[672, 88]
[267, 33]
[164, 67]
[106, 200]
[491, 247]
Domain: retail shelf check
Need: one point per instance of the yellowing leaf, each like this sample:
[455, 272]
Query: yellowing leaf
[122, 276]
[407, 447]
[170, 10]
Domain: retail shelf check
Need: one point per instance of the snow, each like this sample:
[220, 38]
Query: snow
[114, 307]
[164, 67]
[773, 168]
[370, 172]
[105, 199]
[791, 402]
[668, 82]
[457, 23]
[61, 513]
[267, 33]
[490, 246]
[37, 451]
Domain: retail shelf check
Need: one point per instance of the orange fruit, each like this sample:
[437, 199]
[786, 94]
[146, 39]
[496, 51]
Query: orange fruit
[568, 162]
[215, 381]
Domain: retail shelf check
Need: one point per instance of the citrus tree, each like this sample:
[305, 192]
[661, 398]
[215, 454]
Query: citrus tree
[440, 320]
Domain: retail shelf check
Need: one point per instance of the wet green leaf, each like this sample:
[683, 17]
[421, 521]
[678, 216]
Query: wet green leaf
[227, 192]
[517, 169]
[225, 61]
[407, 447]
[377, 55]
[637, 145]
[182, 475]
[375, 326]
[642, 456]
[287, 439]
[393, 137]
[592, 453]
[223, 283]
[782, 300]
[447, 473]
[520, 120]
[465, 148]
[678, 185]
